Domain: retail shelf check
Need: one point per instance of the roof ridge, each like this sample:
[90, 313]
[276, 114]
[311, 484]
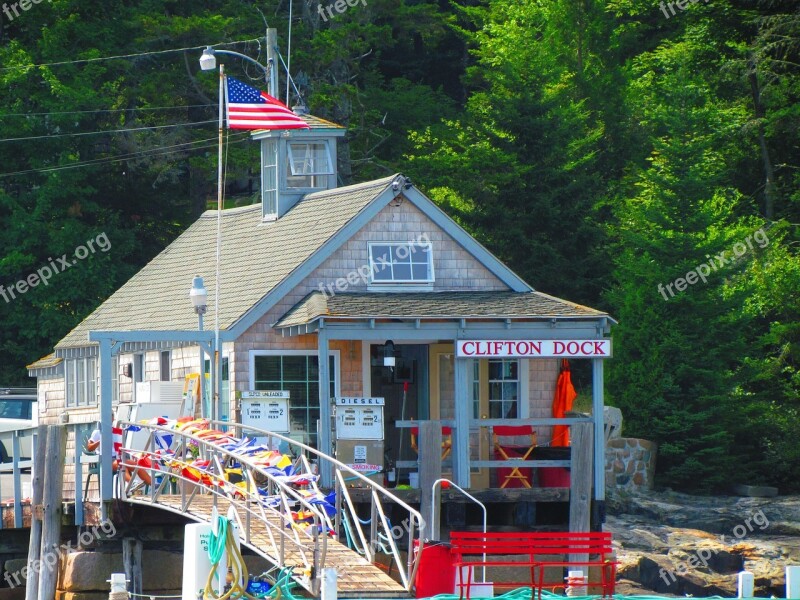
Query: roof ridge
[212, 212]
[375, 183]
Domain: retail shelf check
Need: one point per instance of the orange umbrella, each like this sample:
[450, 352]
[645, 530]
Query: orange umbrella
[565, 396]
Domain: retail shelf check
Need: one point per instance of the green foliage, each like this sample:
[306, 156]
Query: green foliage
[597, 147]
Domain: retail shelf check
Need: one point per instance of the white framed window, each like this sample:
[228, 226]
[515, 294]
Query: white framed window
[403, 262]
[307, 164]
[504, 389]
[80, 382]
[269, 179]
[298, 372]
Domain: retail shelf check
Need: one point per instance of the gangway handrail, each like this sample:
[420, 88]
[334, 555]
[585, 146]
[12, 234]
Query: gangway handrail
[318, 551]
[451, 483]
[407, 572]
[328, 458]
[409, 576]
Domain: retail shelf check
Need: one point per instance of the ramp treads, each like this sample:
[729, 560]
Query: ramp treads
[356, 576]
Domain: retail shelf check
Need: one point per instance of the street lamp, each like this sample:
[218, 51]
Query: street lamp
[208, 61]
[199, 297]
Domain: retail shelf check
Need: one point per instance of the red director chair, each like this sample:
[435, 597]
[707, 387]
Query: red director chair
[514, 452]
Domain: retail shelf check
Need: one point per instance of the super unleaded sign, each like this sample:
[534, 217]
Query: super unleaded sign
[533, 348]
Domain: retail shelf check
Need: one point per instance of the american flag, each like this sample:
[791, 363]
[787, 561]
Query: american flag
[250, 108]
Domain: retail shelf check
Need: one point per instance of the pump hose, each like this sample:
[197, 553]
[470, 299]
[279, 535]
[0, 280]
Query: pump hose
[218, 544]
[226, 541]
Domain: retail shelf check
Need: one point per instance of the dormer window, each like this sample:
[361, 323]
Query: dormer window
[400, 263]
[307, 163]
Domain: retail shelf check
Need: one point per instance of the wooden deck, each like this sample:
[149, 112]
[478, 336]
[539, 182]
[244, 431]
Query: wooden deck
[356, 576]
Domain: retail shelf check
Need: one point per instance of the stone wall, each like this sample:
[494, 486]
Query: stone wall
[630, 463]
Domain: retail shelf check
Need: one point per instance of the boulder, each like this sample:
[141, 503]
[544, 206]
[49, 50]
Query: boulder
[162, 569]
[665, 544]
[14, 568]
[85, 571]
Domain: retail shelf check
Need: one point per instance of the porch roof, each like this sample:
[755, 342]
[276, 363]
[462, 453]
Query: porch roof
[434, 305]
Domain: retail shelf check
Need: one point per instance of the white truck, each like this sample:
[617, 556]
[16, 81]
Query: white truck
[18, 410]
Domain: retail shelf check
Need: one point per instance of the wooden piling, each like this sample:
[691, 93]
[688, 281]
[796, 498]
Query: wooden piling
[37, 489]
[580, 492]
[430, 469]
[132, 560]
[51, 510]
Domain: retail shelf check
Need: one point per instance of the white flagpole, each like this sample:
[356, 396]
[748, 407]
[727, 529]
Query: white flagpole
[215, 372]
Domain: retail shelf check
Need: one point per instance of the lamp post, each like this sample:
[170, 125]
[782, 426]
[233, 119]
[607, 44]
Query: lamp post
[208, 62]
[199, 298]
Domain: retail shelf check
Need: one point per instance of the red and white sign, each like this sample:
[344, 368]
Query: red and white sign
[365, 468]
[533, 349]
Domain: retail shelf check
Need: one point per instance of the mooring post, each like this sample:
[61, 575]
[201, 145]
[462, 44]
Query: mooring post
[430, 469]
[746, 584]
[51, 510]
[329, 590]
[793, 582]
[132, 561]
[37, 485]
[580, 491]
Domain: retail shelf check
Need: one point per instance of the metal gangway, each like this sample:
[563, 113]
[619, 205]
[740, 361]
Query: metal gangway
[280, 519]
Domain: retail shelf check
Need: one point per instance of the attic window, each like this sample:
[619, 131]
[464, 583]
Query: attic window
[307, 163]
[404, 262]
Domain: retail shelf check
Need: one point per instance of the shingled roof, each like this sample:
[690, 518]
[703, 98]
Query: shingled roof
[433, 305]
[256, 256]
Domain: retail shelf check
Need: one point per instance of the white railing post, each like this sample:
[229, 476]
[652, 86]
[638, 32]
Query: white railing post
[793, 582]
[746, 584]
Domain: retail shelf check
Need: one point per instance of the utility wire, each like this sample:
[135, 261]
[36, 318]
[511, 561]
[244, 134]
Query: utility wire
[121, 56]
[106, 110]
[56, 135]
[132, 155]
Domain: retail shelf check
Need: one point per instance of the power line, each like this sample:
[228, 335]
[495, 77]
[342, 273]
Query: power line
[55, 135]
[106, 110]
[150, 151]
[101, 58]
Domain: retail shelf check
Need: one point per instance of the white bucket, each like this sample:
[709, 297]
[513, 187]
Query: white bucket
[413, 479]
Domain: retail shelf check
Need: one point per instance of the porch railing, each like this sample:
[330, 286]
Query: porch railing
[15, 441]
[480, 424]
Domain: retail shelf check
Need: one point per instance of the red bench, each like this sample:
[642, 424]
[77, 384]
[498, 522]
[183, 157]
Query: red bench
[534, 552]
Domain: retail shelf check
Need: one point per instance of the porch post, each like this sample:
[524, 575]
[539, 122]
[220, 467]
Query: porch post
[324, 439]
[599, 433]
[463, 412]
[106, 441]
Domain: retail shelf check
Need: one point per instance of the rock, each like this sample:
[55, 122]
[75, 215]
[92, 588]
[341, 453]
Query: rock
[161, 569]
[755, 491]
[14, 568]
[663, 547]
[85, 571]
[612, 419]
[17, 593]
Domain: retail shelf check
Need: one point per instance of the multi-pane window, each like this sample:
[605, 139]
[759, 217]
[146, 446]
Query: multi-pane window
[269, 179]
[503, 389]
[80, 379]
[299, 375]
[401, 262]
[308, 164]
